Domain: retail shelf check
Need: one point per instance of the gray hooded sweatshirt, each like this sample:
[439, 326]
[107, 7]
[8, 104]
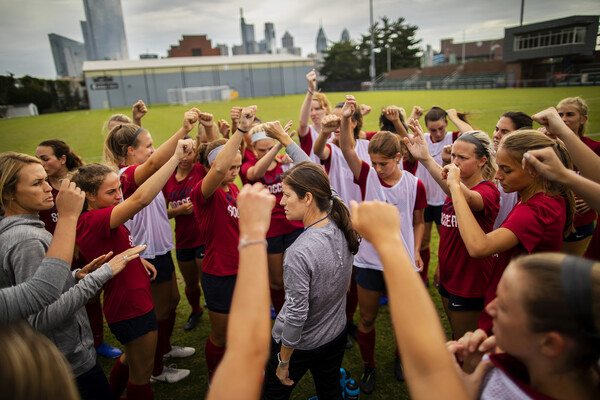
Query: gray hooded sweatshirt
[23, 245]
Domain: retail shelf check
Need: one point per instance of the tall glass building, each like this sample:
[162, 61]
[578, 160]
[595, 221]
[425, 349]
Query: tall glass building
[104, 30]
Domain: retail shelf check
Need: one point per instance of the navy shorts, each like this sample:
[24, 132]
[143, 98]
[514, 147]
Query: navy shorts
[133, 328]
[278, 244]
[190, 254]
[164, 267]
[433, 213]
[458, 303]
[581, 232]
[370, 279]
[218, 291]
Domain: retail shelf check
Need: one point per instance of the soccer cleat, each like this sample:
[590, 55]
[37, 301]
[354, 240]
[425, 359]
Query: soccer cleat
[107, 351]
[193, 320]
[367, 381]
[180, 352]
[171, 374]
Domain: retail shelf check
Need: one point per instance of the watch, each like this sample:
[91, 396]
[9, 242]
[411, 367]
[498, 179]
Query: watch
[282, 363]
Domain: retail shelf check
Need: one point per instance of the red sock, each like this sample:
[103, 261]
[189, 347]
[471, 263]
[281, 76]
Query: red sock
[94, 312]
[366, 343]
[119, 375]
[425, 255]
[161, 347]
[278, 299]
[213, 355]
[351, 300]
[139, 392]
[193, 298]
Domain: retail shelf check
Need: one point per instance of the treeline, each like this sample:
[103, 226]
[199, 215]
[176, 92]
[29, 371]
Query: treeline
[48, 95]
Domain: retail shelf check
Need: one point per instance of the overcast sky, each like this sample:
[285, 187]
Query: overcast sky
[153, 25]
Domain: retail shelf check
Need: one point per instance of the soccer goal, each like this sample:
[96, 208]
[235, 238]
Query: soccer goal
[200, 94]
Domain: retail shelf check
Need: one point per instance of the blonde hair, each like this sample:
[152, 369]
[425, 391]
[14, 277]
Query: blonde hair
[10, 165]
[488, 171]
[323, 102]
[119, 139]
[582, 108]
[520, 142]
[32, 367]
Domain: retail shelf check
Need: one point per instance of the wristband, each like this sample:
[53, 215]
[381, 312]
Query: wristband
[282, 363]
[241, 130]
[244, 243]
[310, 92]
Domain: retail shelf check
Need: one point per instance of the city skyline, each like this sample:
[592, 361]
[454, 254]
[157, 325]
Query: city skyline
[151, 26]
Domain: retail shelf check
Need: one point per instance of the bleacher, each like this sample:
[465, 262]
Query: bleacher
[488, 80]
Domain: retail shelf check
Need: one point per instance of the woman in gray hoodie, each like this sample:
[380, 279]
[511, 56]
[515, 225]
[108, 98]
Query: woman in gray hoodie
[24, 191]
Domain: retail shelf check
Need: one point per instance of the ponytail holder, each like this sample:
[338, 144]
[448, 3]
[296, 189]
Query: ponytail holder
[576, 281]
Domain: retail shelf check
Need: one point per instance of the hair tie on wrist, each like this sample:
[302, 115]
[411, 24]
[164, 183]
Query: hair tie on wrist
[241, 130]
[244, 243]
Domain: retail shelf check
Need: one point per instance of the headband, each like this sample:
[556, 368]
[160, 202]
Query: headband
[577, 284]
[469, 137]
[212, 156]
[260, 135]
[135, 135]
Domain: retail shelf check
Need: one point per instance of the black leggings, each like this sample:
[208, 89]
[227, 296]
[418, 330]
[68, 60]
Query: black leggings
[324, 363]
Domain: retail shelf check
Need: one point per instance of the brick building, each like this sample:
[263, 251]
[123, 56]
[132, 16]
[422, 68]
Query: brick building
[194, 46]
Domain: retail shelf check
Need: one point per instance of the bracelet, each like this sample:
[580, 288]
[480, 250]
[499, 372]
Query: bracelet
[244, 243]
[310, 91]
[282, 363]
[241, 130]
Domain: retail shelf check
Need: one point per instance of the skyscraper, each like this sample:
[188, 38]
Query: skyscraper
[270, 37]
[68, 55]
[321, 41]
[345, 35]
[247, 35]
[287, 40]
[104, 30]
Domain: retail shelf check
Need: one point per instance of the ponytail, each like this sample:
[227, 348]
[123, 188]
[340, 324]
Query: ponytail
[202, 150]
[60, 149]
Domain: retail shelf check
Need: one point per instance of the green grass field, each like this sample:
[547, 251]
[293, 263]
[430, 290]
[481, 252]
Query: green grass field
[83, 131]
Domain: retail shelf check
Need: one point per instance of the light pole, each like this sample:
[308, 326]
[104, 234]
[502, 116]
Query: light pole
[372, 68]
[389, 54]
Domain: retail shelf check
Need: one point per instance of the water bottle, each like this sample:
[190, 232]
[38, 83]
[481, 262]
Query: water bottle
[352, 390]
[344, 378]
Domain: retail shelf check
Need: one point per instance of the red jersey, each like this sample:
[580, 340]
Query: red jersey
[218, 217]
[50, 217]
[280, 225]
[177, 193]
[127, 295]
[538, 224]
[461, 274]
[589, 216]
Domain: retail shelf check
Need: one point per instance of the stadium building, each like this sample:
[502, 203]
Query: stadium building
[112, 84]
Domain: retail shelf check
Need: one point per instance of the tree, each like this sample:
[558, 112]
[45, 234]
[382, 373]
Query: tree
[403, 47]
[347, 61]
[342, 63]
